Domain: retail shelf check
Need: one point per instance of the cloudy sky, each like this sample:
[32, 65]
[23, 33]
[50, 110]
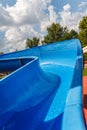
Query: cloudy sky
[22, 19]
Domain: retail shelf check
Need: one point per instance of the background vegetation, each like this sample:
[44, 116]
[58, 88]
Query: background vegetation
[85, 56]
[56, 32]
[85, 72]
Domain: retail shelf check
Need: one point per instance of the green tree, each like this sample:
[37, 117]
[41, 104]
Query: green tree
[58, 33]
[32, 42]
[73, 34]
[83, 31]
[85, 56]
[69, 35]
[1, 53]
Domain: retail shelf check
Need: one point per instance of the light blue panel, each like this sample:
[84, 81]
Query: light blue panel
[74, 96]
[73, 118]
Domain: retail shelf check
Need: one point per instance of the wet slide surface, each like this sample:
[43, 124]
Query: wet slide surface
[44, 90]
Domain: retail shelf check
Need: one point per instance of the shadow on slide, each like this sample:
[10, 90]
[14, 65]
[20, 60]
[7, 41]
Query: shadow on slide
[44, 89]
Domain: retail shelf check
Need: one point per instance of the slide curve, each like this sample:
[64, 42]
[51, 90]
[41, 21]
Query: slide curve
[44, 88]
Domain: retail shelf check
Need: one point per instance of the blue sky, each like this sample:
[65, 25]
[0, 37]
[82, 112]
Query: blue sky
[9, 2]
[22, 19]
[57, 3]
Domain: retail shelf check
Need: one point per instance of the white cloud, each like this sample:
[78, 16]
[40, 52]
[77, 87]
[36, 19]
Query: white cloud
[66, 7]
[82, 4]
[22, 20]
[49, 19]
[28, 11]
[70, 19]
[16, 36]
[52, 14]
[5, 18]
[28, 18]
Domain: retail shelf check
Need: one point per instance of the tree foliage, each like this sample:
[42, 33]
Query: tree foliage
[1, 53]
[85, 56]
[32, 42]
[58, 33]
[83, 31]
[83, 23]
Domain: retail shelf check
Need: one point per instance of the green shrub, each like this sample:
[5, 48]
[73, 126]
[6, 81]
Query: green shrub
[85, 72]
[85, 56]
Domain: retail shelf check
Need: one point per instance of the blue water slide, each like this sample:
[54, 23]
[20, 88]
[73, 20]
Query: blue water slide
[44, 88]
